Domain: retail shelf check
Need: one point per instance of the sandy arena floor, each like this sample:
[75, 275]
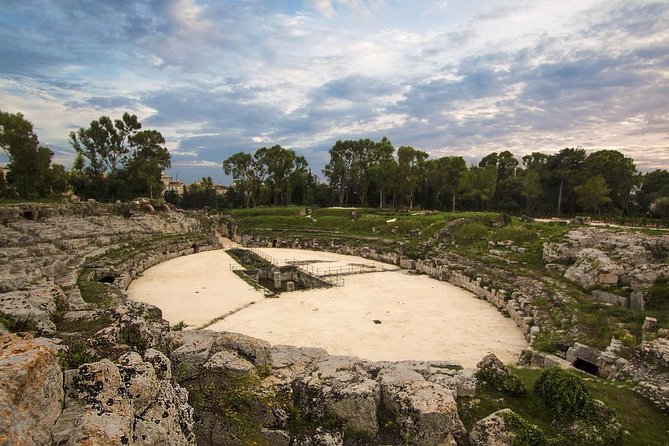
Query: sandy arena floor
[388, 315]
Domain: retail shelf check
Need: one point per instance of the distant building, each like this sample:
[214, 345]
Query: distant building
[4, 170]
[172, 185]
[220, 189]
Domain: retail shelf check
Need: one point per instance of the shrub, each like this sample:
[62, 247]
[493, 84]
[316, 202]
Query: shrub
[658, 294]
[17, 324]
[470, 233]
[76, 354]
[495, 374]
[564, 395]
[524, 432]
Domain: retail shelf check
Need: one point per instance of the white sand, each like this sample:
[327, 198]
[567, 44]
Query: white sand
[421, 318]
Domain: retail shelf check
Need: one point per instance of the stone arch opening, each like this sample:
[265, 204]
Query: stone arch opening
[107, 279]
[586, 367]
[29, 215]
[274, 243]
[195, 248]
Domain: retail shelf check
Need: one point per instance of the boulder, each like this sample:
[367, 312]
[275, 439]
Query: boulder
[31, 389]
[593, 268]
[425, 412]
[341, 387]
[505, 428]
[106, 403]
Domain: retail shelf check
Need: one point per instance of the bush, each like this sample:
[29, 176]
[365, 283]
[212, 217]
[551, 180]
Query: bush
[564, 395]
[658, 294]
[470, 233]
[524, 432]
[493, 372]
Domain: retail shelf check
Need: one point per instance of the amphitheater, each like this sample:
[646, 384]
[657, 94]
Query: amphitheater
[385, 314]
[130, 324]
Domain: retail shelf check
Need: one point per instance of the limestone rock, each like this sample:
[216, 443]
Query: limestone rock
[592, 268]
[491, 431]
[31, 389]
[127, 403]
[321, 438]
[495, 373]
[425, 411]
[341, 386]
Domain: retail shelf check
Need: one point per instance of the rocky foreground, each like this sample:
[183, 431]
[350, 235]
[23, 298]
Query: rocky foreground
[80, 364]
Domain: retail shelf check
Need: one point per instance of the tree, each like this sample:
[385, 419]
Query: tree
[284, 169]
[245, 174]
[532, 190]
[654, 185]
[410, 172]
[619, 172]
[506, 165]
[593, 193]
[660, 207]
[338, 170]
[443, 177]
[565, 170]
[121, 160]
[478, 184]
[28, 161]
[383, 167]
[149, 159]
[105, 144]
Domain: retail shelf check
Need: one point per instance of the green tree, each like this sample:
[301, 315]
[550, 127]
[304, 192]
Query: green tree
[410, 173]
[28, 161]
[120, 159]
[532, 190]
[660, 207]
[443, 177]
[383, 168]
[284, 169]
[339, 170]
[619, 172]
[564, 171]
[105, 144]
[593, 193]
[654, 185]
[478, 184]
[245, 174]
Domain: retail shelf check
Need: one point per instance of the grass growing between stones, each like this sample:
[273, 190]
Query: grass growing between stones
[641, 423]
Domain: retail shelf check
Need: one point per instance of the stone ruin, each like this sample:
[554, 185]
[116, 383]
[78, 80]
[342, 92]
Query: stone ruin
[105, 370]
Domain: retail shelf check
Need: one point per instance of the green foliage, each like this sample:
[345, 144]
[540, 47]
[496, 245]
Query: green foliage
[658, 294]
[132, 337]
[17, 324]
[525, 433]
[564, 395]
[495, 374]
[29, 162]
[470, 233]
[593, 193]
[179, 326]
[118, 160]
[236, 400]
[75, 354]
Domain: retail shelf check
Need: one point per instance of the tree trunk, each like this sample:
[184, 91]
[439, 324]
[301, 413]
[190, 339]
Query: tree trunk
[380, 198]
[453, 207]
[559, 209]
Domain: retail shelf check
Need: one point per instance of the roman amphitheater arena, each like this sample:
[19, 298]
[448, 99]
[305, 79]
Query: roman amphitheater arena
[376, 312]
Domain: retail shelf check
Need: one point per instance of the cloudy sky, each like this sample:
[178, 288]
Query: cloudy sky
[451, 77]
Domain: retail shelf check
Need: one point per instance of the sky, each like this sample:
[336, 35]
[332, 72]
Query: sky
[450, 77]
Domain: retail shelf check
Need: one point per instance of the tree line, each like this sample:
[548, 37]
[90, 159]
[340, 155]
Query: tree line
[369, 173]
[117, 159]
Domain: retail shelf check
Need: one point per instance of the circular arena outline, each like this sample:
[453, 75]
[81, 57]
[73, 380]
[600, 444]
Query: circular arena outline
[379, 316]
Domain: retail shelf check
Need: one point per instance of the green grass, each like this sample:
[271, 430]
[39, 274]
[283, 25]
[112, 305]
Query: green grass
[643, 424]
